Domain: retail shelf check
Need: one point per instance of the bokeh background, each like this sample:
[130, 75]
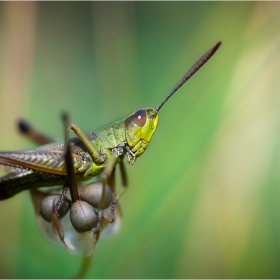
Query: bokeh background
[203, 201]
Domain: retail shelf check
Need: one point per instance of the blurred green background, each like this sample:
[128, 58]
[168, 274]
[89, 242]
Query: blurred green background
[203, 201]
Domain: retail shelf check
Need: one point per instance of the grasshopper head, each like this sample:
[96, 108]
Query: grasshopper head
[140, 127]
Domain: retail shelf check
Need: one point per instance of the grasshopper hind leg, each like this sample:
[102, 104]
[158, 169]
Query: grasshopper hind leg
[39, 138]
[33, 134]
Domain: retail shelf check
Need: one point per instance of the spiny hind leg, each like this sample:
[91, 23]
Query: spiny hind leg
[28, 130]
[39, 138]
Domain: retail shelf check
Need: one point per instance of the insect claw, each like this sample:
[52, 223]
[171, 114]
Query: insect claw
[131, 158]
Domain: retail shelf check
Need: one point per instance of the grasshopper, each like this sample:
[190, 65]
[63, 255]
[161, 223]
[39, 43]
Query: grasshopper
[83, 157]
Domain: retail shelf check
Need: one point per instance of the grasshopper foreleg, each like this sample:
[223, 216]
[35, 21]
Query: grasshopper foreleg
[124, 180]
[116, 153]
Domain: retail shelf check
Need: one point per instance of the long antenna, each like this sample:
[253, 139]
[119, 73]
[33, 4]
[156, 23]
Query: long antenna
[193, 69]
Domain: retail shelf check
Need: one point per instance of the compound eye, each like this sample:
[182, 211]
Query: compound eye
[139, 118]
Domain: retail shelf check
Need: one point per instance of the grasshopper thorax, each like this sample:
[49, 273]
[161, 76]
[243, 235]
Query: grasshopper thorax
[139, 129]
